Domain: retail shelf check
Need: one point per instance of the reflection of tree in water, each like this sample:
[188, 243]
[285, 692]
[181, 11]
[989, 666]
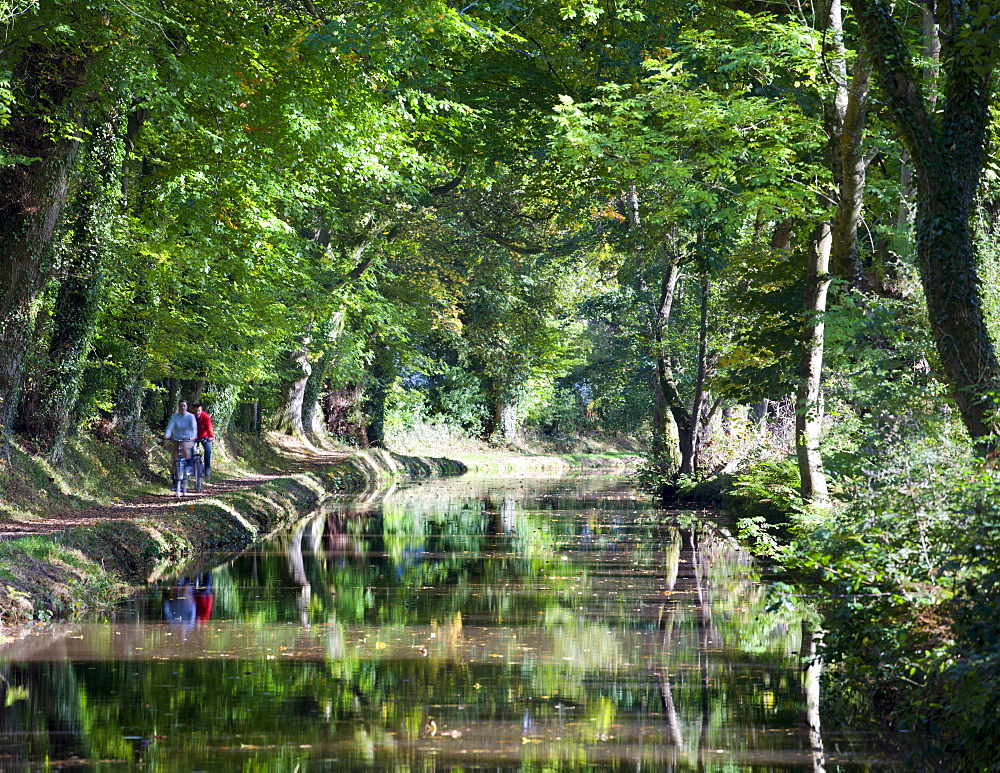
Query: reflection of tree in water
[811, 687]
[296, 566]
[702, 680]
[41, 715]
[585, 584]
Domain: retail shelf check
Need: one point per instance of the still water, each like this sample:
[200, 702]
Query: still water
[455, 625]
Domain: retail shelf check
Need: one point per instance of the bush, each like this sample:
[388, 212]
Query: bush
[910, 573]
[769, 490]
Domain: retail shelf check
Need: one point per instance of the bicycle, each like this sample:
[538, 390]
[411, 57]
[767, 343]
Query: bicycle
[187, 469]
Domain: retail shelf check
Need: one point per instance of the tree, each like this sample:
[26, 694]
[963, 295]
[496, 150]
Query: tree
[52, 74]
[946, 148]
[695, 151]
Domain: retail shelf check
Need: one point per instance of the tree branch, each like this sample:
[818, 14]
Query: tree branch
[503, 240]
[896, 76]
[312, 10]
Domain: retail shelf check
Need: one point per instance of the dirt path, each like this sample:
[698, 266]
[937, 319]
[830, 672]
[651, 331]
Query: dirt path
[155, 505]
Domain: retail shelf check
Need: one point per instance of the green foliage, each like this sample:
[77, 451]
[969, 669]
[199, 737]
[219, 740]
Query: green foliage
[615, 379]
[909, 576]
[767, 490]
[405, 409]
[472, 211]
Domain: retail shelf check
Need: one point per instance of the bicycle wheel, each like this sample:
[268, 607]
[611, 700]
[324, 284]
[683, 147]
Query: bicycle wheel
[199, 472]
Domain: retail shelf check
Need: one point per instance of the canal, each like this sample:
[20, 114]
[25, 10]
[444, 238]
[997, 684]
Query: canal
[462, 624]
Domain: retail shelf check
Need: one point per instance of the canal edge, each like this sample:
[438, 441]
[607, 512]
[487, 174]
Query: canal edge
[66, 574]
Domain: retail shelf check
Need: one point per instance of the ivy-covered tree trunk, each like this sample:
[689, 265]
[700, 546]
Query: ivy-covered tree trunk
[501, 420]
[376, 391]
[948, 270]
[852, 166]
[32, 197]
[947, 149]
[225, 399]
[97, 212]
[932, 55]
[128, 397]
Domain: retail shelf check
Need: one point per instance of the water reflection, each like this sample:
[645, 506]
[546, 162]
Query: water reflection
[188, 601]
[548, 626]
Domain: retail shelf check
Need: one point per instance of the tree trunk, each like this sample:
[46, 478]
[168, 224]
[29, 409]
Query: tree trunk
[492, 420]
[31, 203]
[947, 150]
[173, 389]
[32, 196]
[932, 53]
[690, 422]
[498, 400]
[808, 408]
[311, 415]
[697, 407]
[339, 406]
[288, 419]
[502, 423]
[297, 415]
[128, 397]
[839, 149]
[666, 444]
[77, 305]
[247, 416]
[192, 389]
[853, 166]
[947, 260]
[223, 408]
[666, 431]
[377, 389]
[508, 421]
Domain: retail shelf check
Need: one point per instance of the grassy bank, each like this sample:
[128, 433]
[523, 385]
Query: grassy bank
[504, 463]
[904, 568]
[68, 571]
[131, 530]
[522, 456]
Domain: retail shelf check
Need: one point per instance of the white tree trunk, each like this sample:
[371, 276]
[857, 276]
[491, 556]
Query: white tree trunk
[808, 402]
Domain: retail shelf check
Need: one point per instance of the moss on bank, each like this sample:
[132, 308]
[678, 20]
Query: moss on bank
[87, 568]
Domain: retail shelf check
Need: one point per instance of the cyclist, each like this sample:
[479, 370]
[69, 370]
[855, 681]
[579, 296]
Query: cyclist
[206, 435]
[181, 432]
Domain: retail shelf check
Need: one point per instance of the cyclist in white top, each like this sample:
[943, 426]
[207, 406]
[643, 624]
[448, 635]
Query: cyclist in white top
[181, 432]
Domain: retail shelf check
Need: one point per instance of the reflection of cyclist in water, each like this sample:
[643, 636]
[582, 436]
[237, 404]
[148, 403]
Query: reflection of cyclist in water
[203, 597]
[179, 606]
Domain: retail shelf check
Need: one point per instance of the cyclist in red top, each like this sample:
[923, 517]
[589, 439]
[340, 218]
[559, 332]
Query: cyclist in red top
[205, 435]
